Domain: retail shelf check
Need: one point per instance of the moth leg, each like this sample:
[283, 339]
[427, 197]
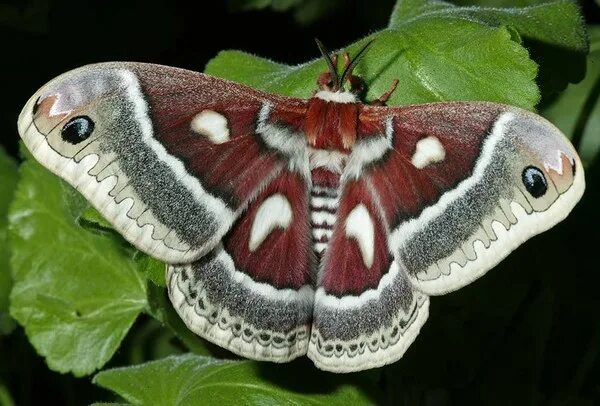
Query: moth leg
[382, 100]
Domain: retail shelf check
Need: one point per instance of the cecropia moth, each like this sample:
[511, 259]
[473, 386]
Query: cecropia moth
[293, 226]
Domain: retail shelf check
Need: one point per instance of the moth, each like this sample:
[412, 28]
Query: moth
[294, 227]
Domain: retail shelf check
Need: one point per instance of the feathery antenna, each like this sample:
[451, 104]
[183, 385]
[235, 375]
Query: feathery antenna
[327, 55]
[352, 64]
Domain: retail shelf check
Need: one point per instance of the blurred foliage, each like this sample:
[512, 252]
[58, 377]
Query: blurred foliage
[304, 11]
[29, 16]
[576, 111]
[527, 332]
[8, 182]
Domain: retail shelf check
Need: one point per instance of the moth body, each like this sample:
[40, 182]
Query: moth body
[294, 227]
[331, 124]
[330, 127]
[324, 198]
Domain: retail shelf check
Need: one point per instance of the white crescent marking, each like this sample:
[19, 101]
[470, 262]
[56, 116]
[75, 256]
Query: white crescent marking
[274, 212]
[360, 227]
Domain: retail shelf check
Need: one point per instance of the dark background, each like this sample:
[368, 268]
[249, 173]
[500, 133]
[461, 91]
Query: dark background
[529, 331]
[42, 39]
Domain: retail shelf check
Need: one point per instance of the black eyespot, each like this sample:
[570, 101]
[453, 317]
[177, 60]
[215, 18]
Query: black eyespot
[534, 181]
[78, 129]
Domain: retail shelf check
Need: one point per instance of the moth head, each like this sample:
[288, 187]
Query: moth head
[332, 82]
[546, 165]
[327, 82]
[72, 111]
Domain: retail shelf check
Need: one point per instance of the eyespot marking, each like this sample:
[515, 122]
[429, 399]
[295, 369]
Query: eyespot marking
[212, 125]
[77, 129]
[428, 151]
[535, 182]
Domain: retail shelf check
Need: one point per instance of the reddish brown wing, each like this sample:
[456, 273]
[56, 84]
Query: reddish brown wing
[381, 187]
[197, 171]
[451, 188]
[254, 293]
[185, 149]
[271, 241]
[366, 312]
[233, 168]
[392, 176]
[456, 129]
[463, 184]
[352, 264]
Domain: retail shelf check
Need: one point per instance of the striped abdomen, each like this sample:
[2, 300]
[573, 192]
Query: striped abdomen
[324, 197]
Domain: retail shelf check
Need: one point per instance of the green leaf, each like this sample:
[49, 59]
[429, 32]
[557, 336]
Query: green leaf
[196, 380]
[109, 404]
[436, 59]
[152, 268]
[150, 340]
[277, 5]
[162, 310]
[5, 398]
[91, 218]
[427, 39]
[8, 183]
[310, 11]
[576, 111]
[552, 31]
[557, 22]
[76, 293]
[500, 3]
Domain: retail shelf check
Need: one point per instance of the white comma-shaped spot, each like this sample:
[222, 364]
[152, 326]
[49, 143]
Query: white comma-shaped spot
[360, 227]
[274, 212]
